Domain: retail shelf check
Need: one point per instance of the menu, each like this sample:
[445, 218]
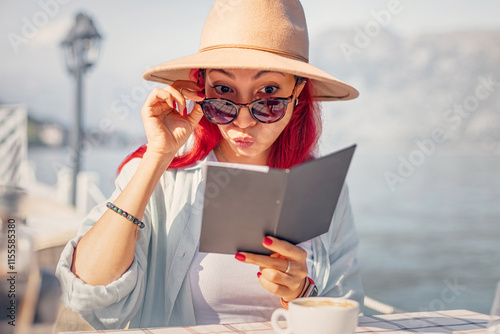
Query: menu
[245, 203]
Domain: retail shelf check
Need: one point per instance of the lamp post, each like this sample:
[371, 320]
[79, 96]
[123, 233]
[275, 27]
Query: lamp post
[81, 50]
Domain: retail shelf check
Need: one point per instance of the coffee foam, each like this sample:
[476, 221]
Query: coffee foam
[323, 302]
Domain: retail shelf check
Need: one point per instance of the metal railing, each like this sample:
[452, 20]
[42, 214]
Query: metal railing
[380, 307]
[13, 144]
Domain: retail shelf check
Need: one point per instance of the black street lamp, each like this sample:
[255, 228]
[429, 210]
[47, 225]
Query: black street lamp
[81, 50]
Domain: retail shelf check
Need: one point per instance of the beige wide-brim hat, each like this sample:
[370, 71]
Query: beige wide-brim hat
[255, 34]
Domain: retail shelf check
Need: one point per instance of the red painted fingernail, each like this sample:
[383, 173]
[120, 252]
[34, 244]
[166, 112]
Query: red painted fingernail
[200, 94]
[268, 241]
[185, 111]
[240, 257]
[259, 274]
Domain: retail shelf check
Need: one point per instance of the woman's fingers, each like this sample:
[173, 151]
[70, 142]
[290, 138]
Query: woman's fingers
[189, 90]
[195, 116]
[284, 248]
[192, 95]
[277, 276]
[165, 118]
[277, 289]
[279, 265]
[284, 271]
[287, 290]
[159, 101]
[285, 255]
[173, 97]
[178, 98]
[265, 261]
[186, 84]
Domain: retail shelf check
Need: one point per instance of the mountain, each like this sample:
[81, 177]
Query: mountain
[443, 88]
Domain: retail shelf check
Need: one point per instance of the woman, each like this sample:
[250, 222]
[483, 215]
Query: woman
[114, 272]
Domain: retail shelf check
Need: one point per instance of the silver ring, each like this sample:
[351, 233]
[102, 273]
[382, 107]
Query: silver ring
[288, 268]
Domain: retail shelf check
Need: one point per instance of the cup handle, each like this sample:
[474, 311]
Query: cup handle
[274, 321]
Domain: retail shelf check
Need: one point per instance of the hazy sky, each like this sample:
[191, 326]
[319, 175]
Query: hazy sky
[138, 35]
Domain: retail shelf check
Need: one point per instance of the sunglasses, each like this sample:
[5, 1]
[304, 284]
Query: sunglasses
[222, 111]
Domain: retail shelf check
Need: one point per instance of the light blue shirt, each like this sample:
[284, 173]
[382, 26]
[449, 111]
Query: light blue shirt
[155, 291]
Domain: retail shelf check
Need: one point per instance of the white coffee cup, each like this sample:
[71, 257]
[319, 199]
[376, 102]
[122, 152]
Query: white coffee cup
[318, 315]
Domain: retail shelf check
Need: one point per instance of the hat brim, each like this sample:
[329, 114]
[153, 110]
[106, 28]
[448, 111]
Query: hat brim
[327, 87]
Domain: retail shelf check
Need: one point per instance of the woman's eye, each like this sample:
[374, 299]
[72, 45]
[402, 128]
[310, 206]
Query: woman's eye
[269, 89]
[220, 89]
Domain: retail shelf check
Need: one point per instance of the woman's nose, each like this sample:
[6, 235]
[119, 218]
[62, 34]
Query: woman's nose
[244, 119]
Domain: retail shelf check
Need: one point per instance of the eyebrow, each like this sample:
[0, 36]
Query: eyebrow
[255, 77]
[261, 73]
[223, 72]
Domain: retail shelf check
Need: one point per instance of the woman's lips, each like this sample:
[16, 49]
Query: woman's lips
[244, 141]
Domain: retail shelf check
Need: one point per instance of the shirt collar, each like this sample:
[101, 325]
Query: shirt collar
[198, 164]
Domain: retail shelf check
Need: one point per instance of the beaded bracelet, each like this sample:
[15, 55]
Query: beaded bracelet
[125, 214]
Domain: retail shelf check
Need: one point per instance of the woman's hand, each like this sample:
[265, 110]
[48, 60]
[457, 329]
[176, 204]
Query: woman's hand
[165, 118]
[273, 275]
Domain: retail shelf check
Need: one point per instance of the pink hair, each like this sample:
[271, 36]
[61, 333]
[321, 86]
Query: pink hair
[296, 144]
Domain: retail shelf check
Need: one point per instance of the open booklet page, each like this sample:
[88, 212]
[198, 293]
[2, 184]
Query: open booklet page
[245, 203]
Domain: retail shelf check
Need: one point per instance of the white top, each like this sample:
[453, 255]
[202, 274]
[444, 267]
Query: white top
[216, 303]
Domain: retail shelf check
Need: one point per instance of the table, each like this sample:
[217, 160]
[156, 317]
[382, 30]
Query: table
[441, 322]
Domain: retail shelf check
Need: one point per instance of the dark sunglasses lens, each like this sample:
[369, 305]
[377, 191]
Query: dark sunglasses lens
[218, 111]
[268, 111]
